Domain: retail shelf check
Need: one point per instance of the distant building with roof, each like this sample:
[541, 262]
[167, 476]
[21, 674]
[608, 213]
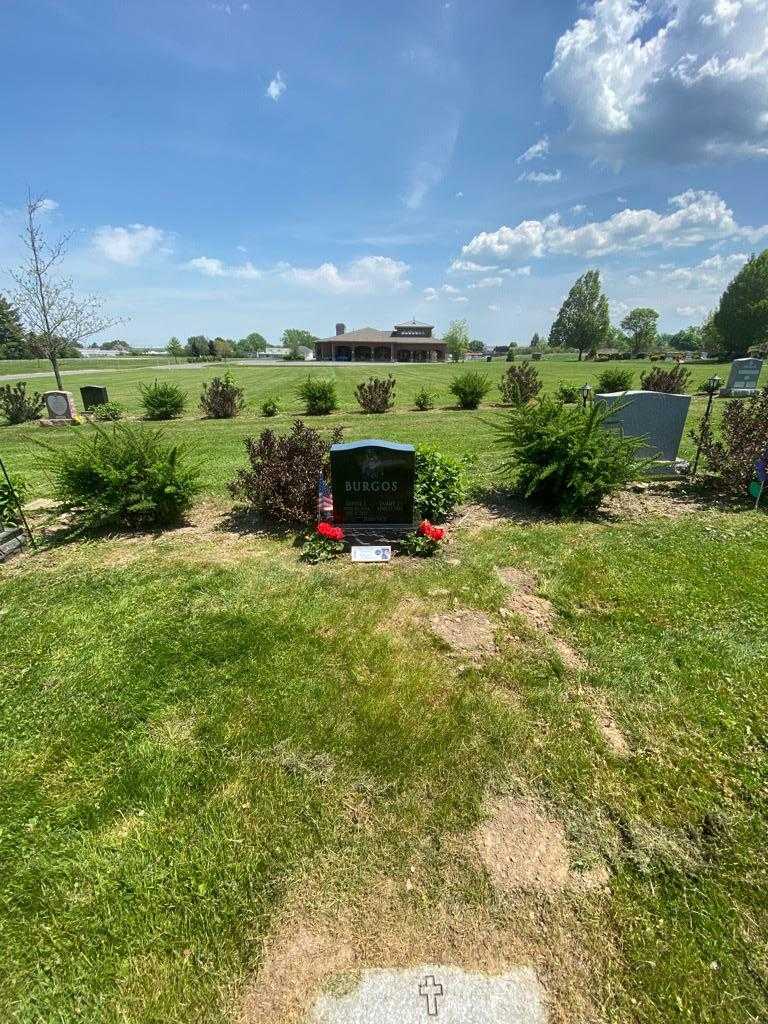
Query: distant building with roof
[411, 342]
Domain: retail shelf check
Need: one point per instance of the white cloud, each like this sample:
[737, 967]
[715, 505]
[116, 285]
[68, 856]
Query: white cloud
[693, 311]
[468, 267]
[432, 163]
[488, 282]
[216, 268]
[541, 177]
[369, 274]
[448, 290]
[578, 208]
[276, 87]
[494, 308]
[127, 245]
[711, 274]
[536, 151]
[459, 298]
[48, 205]
[694, 217]
[676, 81]
[517, 272]
[459, 195]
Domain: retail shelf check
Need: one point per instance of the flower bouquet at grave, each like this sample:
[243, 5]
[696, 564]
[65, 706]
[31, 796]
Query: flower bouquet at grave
[325, 544]
[425, 542]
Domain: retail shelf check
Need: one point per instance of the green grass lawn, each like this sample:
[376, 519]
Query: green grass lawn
[192, 727]
[199, 735]
[218, 444]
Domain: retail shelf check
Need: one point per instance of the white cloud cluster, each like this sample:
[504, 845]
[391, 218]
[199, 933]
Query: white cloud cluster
[276, 87]
[366, 275]
[128, 245]
[217, 268]
[448, 290]
[694, 217]
[711, 274]
[536, 151]
[541, 177]
[488, 282]
[673, 81]
[469, 267]
[369, 274]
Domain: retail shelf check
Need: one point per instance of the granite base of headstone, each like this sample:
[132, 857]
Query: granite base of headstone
[93, 396]
[743, 378]
[60, 407]
[656, 417]
[12, 542]
[433, 992]
[372, 484]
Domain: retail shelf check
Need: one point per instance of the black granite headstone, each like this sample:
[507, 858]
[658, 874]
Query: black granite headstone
[93, 396]
[372, 484]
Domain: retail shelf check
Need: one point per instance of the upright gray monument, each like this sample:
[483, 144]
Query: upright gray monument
[743, 378]
[60, 406]
[653, 415]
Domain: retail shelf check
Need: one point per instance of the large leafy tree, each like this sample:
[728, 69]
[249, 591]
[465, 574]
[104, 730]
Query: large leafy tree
[640, 327]
[294, 338]
[583, 322]
[742, 317]
[457, 339]
[174, 348]
[197, 346]
[253, 342]
[13, 343]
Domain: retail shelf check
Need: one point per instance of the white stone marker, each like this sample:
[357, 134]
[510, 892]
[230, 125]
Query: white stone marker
[436, 995]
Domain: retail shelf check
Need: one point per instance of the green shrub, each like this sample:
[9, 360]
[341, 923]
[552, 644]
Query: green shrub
[221, 398]
[318, 395]
[126, 475]
[270, 407]
[731, 457]
[520, 384]
[17, 406]
[440, 485]
[470, 388]
[163, 401]
[107, 412]
[568, 394]
[424, 400]
[9, 501]
[618, 378]
[377, 394]
[673, 380]
[563, 458]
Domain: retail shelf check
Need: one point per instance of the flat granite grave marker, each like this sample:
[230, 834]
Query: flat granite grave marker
[654, 415]
[372, 484]
[743, 378]
[60, 406]
[445, 995]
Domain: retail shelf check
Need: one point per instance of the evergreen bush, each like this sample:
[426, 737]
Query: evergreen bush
[440, 484]
[377, 394]
[470, 388]
[617, 378]
[221, 398]
[17, 406]
[318, 395]
[162, 401]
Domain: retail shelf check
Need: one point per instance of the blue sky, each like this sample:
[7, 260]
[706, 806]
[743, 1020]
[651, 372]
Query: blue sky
[228, 167]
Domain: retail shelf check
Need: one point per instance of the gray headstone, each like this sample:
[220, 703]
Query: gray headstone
[445, 995]
[93, 396]
[658, 417]
[372, 484]
[60, 405]
[743, 377]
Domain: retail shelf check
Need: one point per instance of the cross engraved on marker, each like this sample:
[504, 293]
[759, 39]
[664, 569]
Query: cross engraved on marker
[430, 991]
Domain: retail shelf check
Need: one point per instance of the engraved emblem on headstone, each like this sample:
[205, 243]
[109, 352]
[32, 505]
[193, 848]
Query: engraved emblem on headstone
[429, 989]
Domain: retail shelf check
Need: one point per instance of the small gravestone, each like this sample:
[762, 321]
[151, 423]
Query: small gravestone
[93, 396]
[743, 378]
[373, 484]
[60, 406]
[421, 995]
[654, 415]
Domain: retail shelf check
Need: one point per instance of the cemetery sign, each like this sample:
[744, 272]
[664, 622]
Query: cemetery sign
[373, 485]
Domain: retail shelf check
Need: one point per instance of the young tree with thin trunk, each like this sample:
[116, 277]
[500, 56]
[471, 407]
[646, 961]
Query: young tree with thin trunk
[583, 322]
[56, 317]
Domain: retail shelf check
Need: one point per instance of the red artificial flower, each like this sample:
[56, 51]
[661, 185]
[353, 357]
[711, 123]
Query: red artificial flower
[330, 532]
[426, 529]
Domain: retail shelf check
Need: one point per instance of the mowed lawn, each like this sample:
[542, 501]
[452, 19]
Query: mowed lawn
[218, 444]
[205, 744]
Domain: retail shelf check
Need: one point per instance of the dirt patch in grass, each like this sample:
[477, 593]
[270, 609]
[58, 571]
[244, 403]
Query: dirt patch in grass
[313, 948]
[608, 728]
[669, 498]
[522, 848]
[568, 655]
[468, 633]
[523, 601]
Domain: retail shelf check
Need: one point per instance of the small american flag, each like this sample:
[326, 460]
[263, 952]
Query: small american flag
[324, 501]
